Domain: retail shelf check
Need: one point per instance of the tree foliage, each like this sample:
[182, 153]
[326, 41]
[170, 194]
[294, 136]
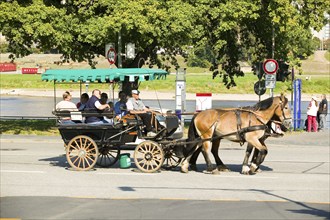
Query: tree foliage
[229, 29]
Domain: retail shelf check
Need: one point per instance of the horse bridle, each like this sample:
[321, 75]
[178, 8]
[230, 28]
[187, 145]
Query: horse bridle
[282, 109]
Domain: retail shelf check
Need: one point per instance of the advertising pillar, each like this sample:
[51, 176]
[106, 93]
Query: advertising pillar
[180, 92]
[297, 104]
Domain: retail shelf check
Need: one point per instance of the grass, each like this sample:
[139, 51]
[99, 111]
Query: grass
[195, 83]
[327, 55]
[29, 127]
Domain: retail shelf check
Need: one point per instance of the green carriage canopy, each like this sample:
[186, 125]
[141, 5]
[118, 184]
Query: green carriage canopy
[103, 75]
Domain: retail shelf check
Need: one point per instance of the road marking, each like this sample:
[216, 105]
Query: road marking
[271, 201]
[225, 200]
[173, 198]
[10, 219]
[21, 171]
[249, 176]
[125, 198]
[127, 174]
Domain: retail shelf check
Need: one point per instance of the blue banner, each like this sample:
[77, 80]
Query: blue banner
[297, 104]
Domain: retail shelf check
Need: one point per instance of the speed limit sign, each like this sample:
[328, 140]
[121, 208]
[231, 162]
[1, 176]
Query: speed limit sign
[111, 55]
[270, 66]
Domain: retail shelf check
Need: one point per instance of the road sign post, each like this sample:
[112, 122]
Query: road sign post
[270, 67]
[111, 55]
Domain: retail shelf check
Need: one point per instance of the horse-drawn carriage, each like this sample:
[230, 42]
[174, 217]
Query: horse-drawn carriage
[87, 145]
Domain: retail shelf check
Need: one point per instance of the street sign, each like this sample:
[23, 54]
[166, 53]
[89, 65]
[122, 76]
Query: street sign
[259, 88]
[112, 55]
[270, 66]
[270, 81]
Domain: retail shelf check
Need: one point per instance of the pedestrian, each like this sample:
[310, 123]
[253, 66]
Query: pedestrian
[323, 110]
[311, 115]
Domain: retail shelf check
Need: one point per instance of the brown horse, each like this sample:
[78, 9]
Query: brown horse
[238, 125]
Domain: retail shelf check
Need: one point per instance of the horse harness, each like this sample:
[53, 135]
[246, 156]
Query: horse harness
[241, 131]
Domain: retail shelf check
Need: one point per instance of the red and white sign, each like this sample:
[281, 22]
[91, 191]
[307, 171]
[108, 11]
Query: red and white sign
[270, 66]
[112, 55]
[203, 101]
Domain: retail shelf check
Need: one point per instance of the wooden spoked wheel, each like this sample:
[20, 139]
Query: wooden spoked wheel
[108, 156]
[171, 161]
[82, 153]
[148, 156]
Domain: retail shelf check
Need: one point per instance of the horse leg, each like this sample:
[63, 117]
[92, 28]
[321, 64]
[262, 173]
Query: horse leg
[258, 159]
[245, 167]
[193, 159]
[185, 163]
[215, 151]
[206, 146]
[262, 148]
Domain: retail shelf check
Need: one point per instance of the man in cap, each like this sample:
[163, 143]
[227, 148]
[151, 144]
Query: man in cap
[136, 106]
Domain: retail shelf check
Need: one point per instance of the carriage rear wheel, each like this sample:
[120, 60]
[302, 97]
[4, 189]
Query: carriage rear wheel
[148, 156]
[171, 161]
[108, 156]
[82, 153]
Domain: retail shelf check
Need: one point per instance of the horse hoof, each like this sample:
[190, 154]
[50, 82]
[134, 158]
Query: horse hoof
[208, 171]
[184, 170]
[193, 167]
[253, 168]
[252, 173]
[245, 170]
[216, 172]
[223, 169]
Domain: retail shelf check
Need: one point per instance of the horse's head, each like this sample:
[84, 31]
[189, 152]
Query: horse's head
[282, 110]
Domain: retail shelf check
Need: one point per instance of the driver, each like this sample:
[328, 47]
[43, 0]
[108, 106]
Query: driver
[136, 106]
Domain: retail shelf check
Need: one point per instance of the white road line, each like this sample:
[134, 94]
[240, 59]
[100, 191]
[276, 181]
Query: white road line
[252, 177]
[128, 174]
[21, 171]
[221, 176]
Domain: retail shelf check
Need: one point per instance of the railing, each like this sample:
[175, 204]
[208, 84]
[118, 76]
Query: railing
[13, 117]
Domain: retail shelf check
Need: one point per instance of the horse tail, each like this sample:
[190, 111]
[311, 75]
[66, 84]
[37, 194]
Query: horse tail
[192, 135]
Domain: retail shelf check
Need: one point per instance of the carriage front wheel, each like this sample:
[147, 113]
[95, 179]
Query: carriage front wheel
[148, 156]
[82, 153]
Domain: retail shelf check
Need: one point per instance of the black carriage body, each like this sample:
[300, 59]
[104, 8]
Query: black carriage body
[103, 135]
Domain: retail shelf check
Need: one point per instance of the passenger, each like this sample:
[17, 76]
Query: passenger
[66, 105]
[120, 106]
[104, 98]
[136, 106]
[83, 100]
[94, 104]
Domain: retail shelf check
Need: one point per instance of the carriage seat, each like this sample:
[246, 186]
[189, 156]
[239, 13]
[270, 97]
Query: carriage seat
[130, 120]
[79, 116]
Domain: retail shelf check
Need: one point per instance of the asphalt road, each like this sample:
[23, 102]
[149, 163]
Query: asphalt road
[37, 183]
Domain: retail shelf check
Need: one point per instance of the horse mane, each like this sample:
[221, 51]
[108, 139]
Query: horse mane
[263, 105]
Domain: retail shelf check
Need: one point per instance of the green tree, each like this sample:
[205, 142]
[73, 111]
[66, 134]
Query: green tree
[80, 29]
